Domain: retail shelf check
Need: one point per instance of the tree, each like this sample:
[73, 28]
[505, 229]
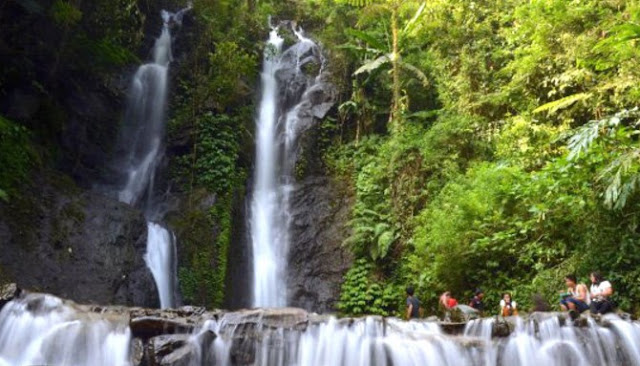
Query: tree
[379, 54]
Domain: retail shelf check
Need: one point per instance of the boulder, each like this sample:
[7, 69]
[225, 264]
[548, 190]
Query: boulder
[8, 292]
[181, 349]
[150, 326]
[288, 318]
[76, 244]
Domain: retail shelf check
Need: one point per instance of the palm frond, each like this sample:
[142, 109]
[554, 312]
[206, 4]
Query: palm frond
[411, 24]
[366, 38]
[372, 65]
[416, 72]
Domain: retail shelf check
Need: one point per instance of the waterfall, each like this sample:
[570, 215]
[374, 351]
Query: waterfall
[160, 259]
[283, 115]
[266, 219]
[40, 329]
[374, 341]
[141, 139]
[43, 330]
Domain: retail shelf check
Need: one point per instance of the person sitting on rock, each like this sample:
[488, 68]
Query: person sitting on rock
[576, 300]
[601, 291]
[508, 307]
[413, 305]
[447, 301]
[476, 301]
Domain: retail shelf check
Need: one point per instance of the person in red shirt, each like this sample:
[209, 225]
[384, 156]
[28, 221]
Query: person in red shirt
[448, 301]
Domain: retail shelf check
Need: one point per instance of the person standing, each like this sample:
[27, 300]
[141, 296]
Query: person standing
[413, 305]
[476, 301]
[601, 290]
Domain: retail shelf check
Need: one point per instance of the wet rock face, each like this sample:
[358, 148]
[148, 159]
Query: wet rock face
[318, 261]
[78, 245]
[319, 208]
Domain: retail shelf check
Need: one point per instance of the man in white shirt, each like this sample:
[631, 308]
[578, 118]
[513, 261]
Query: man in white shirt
[601, 290]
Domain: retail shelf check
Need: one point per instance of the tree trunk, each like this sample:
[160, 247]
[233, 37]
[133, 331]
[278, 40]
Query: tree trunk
[395, 58]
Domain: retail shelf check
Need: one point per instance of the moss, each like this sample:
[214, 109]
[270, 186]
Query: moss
[5, 277]
[311, 69]
[20, 214]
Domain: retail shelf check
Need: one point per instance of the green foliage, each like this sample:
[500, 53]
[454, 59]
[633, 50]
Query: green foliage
[615, 139]
[17, 157]
[519, 162]
[231, 67]
[216, 154]
[203, 268]
[65, 14]
[362, 295]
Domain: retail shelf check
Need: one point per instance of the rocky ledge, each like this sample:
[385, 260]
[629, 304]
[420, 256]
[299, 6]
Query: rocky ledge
[171, 337]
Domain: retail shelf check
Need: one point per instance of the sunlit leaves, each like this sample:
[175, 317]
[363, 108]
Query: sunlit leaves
[585, 135]
[556, 105]
[372, 65]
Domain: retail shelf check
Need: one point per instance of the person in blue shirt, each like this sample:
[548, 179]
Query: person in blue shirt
[476, 301]
[413, 305]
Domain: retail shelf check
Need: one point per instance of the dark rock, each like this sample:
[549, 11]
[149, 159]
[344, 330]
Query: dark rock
[288, 318]
[151, 326]
[137, 351]
[317, 258]
[77, 245]
[540, 303]
[501, 329]
[181, 349]
[243, 351]
[238, 277]
[466, 313]
[453, 328]
[319, 207]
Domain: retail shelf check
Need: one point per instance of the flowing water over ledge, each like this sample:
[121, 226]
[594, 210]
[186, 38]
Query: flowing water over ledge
[42, 329]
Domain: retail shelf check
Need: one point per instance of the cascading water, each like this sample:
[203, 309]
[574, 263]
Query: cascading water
[39, 329]
[283, 107]
[43, 330]
[142, 140]
[372, 341]
[160, 259]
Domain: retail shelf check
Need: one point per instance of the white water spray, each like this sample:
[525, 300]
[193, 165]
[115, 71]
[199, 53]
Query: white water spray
[41, 329]
[373, 341]
[284, 100]
[160, 260]
[267, 232]
[146, 120]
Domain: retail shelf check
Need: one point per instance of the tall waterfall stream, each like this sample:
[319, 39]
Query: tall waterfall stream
[143, 136]
[286, 90]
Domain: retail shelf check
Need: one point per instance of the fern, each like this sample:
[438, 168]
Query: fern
[556, 105]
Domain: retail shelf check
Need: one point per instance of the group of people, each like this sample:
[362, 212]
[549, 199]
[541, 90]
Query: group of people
[508, 307]
[577, 299]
